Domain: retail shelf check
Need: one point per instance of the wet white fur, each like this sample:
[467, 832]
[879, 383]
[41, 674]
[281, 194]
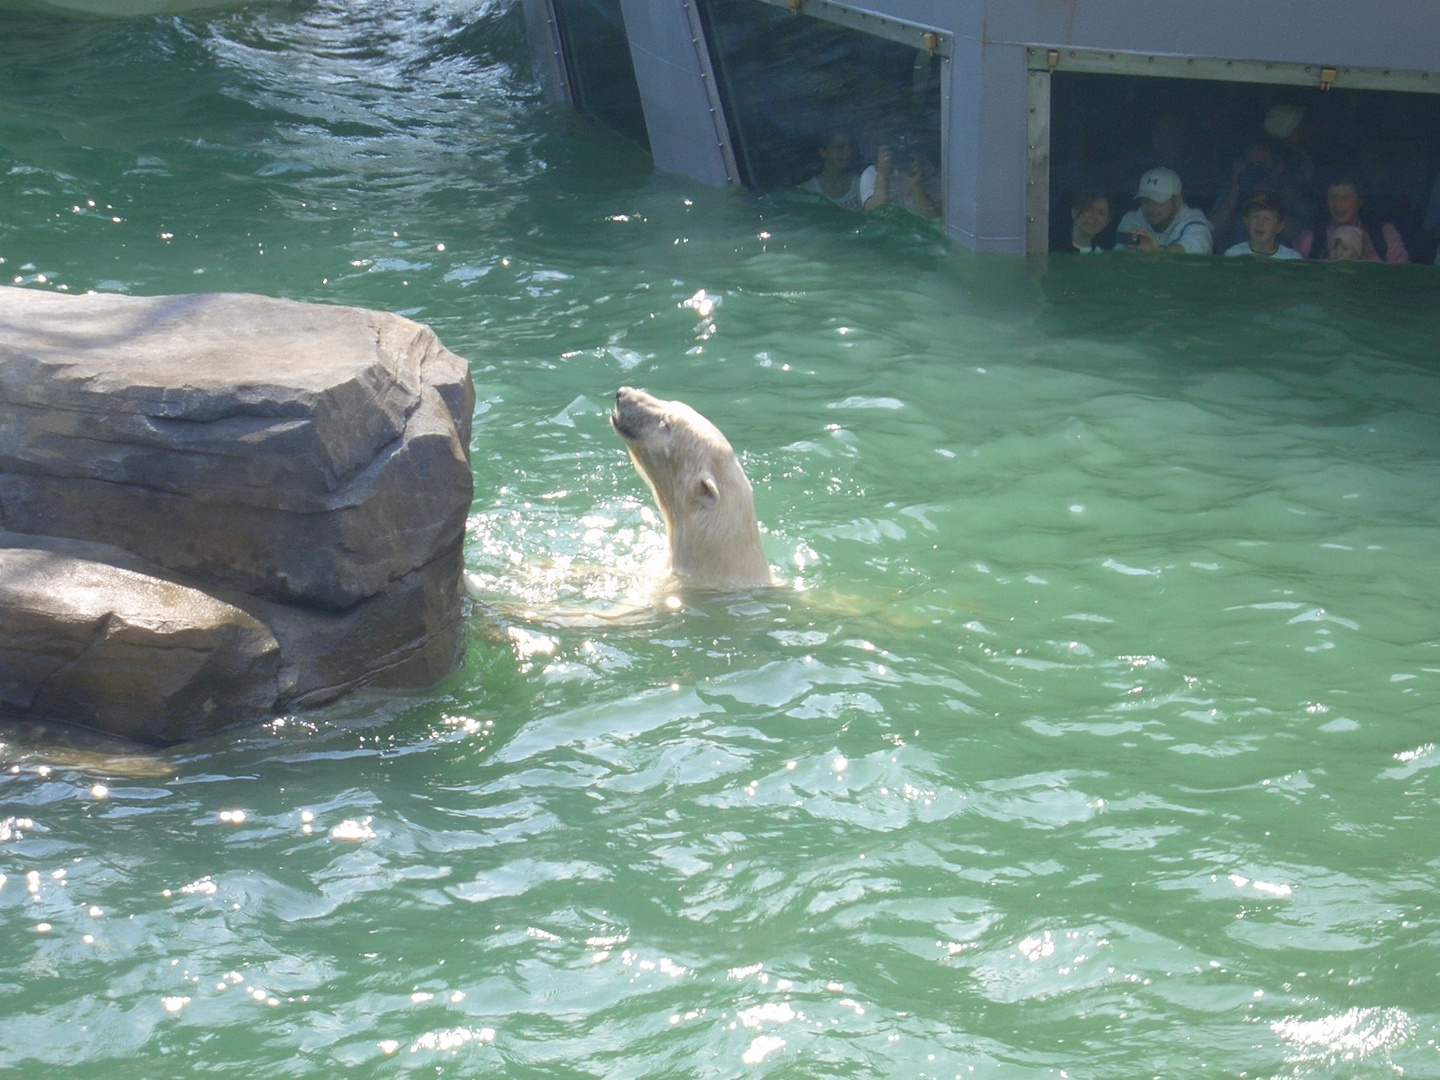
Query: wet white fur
[700, 488]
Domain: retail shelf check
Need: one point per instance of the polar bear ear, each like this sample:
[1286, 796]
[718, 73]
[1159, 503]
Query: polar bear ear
[708, 491]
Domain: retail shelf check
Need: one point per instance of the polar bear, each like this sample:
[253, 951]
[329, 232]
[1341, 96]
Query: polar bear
[702, 492]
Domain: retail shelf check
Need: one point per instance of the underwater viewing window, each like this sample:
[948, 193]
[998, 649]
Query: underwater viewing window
[1095, 133]
[804, 95]
[599, 69]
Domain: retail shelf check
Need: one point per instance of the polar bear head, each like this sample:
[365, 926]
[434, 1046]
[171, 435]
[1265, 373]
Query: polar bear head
[702, 492]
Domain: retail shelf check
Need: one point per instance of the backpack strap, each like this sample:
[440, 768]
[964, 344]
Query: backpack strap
[1376, 233]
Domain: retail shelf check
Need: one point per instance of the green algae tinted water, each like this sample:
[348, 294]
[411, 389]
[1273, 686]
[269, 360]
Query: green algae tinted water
[1096, 739]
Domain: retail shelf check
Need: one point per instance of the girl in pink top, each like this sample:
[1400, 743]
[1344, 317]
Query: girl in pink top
[1343, 199]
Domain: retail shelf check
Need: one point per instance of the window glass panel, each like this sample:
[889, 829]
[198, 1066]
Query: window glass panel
[794, 85]
[1229, 140]
[602, 75]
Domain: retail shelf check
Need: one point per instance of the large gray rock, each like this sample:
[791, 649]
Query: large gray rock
[125, 653]
[303, 468]
[309, 454]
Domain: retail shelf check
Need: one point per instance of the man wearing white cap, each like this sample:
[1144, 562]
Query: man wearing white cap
[1164, 222]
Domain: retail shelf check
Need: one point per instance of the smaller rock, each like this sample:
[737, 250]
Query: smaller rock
[125, 653]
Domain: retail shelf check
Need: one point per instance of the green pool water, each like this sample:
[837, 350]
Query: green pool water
[1094, 738]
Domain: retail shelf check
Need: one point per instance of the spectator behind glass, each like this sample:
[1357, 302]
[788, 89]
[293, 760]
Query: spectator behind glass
[1285, 124]
[1261, 169]
[835, 181]
[1164, 222]
[1344, 201]
[1089, 218]
[1264, 218]
[899, 178]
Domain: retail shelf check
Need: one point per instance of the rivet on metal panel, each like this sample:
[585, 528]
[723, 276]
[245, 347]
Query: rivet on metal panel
[1327, 78]
[1051, 59]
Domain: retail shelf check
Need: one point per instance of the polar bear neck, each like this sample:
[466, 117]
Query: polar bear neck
[721, 545]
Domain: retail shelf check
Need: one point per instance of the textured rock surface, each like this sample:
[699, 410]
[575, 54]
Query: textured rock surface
[304, 468]
[407, 635]
[305, 453]
[127, 653]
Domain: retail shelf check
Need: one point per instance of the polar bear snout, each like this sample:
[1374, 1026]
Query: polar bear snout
[635, 412]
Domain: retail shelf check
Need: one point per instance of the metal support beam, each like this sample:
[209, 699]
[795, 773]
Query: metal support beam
[1037, 162]
[931, 39]
[712, 92]
[546, 50]
[677, 93]
[945, 142]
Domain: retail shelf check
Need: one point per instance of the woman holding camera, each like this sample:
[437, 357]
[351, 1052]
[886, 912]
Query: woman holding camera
[883, 184]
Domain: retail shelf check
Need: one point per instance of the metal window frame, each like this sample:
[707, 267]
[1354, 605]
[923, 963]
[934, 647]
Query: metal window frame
[916, 35]
[1041, 61]
[1037, 162]
[1281, 73]
[542, 22]
[945, 200]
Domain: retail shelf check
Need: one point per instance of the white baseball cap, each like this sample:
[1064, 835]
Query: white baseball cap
[1159, 185]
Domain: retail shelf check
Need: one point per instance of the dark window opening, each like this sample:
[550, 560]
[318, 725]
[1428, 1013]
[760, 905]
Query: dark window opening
[792, 85]
[1228, 140]
[598, 64]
